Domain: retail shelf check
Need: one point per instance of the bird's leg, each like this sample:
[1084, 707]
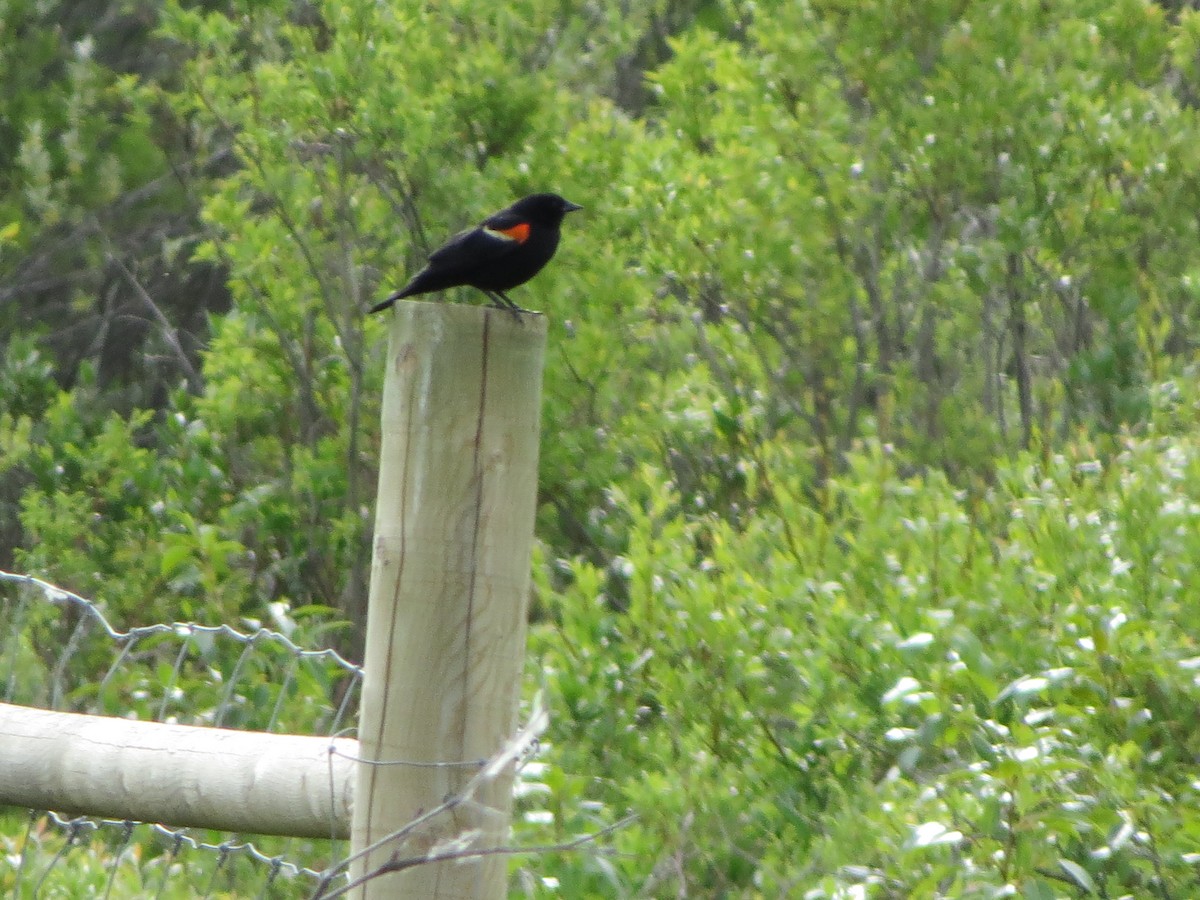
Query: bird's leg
[509, 303]
[500, 300]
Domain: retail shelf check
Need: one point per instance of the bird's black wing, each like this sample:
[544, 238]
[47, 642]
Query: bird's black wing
[479, 246]
[492, 239]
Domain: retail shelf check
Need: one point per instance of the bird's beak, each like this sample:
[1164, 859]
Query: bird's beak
[568, 206]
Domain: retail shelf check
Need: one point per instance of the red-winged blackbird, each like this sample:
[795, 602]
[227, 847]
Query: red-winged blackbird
[504, 251]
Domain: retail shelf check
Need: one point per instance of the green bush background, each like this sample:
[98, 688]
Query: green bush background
[866, 534]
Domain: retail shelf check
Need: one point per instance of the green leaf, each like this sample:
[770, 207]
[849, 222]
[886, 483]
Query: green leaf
[1078, 874]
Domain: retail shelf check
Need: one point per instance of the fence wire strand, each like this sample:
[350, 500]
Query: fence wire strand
[57, 595]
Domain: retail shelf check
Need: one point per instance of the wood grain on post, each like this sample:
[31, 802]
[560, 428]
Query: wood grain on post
[449, 587]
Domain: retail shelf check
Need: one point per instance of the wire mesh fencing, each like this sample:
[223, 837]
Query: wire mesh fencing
[59, 651]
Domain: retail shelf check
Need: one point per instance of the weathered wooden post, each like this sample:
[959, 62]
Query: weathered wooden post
[449, 586]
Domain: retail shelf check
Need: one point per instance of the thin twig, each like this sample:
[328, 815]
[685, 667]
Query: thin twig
[399, 865]
[170, 335]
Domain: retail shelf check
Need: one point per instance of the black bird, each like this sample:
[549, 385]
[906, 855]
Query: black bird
[504, 251]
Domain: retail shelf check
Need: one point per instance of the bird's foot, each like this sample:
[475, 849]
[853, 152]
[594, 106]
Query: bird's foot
[501, 300]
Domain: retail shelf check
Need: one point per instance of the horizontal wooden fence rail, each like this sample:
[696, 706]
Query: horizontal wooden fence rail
[185, 775]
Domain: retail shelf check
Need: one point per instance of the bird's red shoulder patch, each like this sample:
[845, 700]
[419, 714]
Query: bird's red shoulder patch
[518, 232]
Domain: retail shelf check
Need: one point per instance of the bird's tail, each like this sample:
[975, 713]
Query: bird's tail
[386, 304]
[413, 287]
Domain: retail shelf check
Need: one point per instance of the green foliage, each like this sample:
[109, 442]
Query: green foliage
[901, 685]
[868, 447]
[94, 196]
[98, 865]
[931, 221]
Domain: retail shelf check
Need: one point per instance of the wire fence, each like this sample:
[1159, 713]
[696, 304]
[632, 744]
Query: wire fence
[59, 651]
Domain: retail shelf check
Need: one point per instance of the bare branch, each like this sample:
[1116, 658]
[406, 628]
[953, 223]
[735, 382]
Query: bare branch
[399, 864]
[168, 331]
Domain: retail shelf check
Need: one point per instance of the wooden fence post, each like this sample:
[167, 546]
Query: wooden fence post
[449, 587]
